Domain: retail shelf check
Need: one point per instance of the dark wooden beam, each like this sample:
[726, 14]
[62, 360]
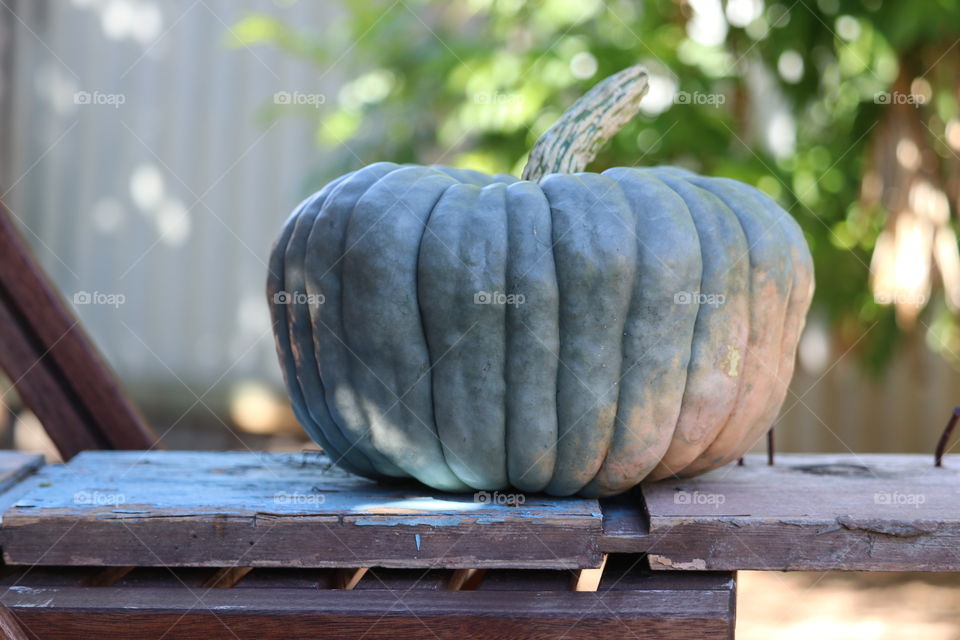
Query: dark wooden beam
[53, 364]
[60, 613]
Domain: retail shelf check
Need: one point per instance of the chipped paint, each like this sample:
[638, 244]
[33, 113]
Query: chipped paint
[895, 528]
[34, 605]
[21, 589]
[417, 538]
[697, 564]
[731, 362]
[392, 522]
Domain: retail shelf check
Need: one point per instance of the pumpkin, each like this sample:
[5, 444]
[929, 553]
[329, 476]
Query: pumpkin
[568, 332]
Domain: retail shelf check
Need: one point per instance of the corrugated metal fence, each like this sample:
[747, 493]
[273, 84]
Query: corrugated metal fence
[150, 189]
[145, 179]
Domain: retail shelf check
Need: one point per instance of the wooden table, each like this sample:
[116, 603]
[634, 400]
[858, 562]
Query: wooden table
[255, 545]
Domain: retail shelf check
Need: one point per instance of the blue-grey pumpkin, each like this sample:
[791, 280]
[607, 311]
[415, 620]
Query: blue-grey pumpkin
[569, 333]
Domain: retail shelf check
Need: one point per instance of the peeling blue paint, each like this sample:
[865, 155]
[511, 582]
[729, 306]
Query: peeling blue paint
[417, 537]
[408, 520]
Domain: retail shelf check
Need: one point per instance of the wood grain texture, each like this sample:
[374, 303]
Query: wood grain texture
[819, 512]
[10, 626]
[15, 467]
[626, 525]
[225, 577]
[54, 365]
[229, 509]
[649, 609]
[809, 513]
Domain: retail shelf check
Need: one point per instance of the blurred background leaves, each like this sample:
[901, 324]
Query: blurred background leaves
[845, 112]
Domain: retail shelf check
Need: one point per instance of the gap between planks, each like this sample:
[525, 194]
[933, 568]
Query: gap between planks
[588, 579]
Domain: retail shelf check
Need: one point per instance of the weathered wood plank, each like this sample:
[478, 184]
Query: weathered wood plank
[809, 513]
[9, 625]
[106, 577]
[226, 577]
[349, 578]
[68, 613]
[164, 508]
[15, 466]
[405, 579]
[626, 525]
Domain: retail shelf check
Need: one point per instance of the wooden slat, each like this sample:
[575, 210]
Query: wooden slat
[525, 580]
[39, 385]
[226, 577]
[10, 625]
[106, 577]
[57, 613]
[54, 366]
[18, 577]
[404, 579]
[809, 513]
[230, 508]
[147, 577]
[15, 467]
[628, 572]
[347, 579]
[824, 512]
[625, 522]
[466, 579]
[587, 579]
[271, 578]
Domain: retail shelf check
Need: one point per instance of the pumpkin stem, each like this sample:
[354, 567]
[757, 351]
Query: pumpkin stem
[576, 138]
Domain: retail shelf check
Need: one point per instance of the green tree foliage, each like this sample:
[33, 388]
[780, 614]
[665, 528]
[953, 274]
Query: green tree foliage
[786, 96]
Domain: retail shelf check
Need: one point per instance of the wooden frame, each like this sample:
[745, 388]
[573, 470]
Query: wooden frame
[54, 366]
[631, 601]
